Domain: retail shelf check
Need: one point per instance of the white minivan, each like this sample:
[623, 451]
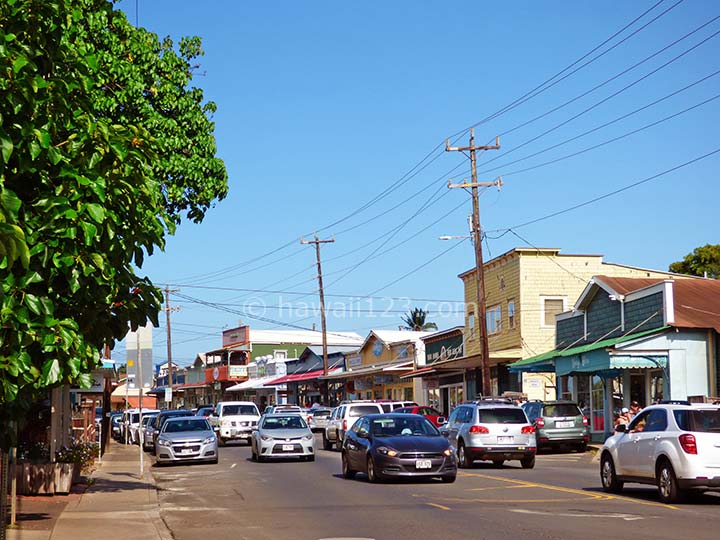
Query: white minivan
[234, 420]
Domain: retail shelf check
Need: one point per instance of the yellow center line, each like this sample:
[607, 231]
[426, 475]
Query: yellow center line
[603, 496]
[440, 506]
[498, 487]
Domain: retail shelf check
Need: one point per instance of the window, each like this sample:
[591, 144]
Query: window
[471, 324]
[511, 313]
[657, 420]
[494, 320]
[280, 355]
[551, 306]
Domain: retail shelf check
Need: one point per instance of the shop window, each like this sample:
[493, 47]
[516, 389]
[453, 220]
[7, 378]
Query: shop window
[551, 306]
[493, 318]
[511, 313]
[471, 324]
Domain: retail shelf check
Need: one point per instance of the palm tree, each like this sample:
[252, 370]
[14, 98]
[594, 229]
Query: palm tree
[415, 320]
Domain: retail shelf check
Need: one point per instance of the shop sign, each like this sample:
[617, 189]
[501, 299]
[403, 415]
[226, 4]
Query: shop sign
[168, 395]
[444, 349]
[363, 384]
[431, 384]
[354, 361]
[236, 336]
[235, 372]
[385, 379]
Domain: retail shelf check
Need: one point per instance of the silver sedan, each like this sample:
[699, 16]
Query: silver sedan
[186, 438]
[282, 436]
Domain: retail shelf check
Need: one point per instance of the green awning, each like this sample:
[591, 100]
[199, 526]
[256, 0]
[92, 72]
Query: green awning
[546, 361]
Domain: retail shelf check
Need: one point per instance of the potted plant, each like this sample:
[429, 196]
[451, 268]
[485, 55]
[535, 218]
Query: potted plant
[81, 456]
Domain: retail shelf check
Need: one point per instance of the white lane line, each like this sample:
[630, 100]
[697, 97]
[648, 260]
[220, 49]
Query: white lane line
[625, 517]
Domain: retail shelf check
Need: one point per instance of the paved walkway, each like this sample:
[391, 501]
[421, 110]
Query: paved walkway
[119, 505]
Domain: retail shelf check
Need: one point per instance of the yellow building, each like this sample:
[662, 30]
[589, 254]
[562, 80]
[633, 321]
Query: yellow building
[524, 289]
[373, 372]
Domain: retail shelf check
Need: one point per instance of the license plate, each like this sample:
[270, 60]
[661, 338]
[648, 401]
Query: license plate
[186, 451]
[423, 464]
[505, 439]
[288, 447]
[566, 424]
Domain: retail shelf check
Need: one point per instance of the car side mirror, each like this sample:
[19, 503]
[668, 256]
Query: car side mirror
[441, 420]
[363, 434]
[621, 428]
[445, 433]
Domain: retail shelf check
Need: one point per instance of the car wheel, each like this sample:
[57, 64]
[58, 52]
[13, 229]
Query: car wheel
[498, 462]
[667, 483]
[608, 476]
[311, 458]
[449, 479]
[347, 472]
[327, 445]
[338, 444]
[221, 441]
[464, 459]
[372, 474]
[528, 462]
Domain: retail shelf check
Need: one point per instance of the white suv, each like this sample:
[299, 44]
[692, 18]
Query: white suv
[343, 418]
[234, 420]
[675, 446]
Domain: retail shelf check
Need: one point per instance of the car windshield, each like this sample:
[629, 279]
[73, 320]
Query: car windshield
[501, 415]
[134, 418]
[561, 409]
[186, 424]
[284, 422]
[395, 427]
[699, 420]
[248, 410]
[362, 410]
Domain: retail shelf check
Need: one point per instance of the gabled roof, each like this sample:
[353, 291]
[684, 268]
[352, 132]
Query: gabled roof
[434, 336]
[310, 337]
[392, 337]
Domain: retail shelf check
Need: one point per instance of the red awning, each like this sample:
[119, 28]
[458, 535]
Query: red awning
[295, 377]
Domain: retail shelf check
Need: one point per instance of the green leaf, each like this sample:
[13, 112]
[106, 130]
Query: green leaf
[10, 202]
[6, 146]
[89, 230]
[19, 63]
[85, 380]
[33, 302]
[34, 149]
[43, 137]
[96, 212]
[50, 372]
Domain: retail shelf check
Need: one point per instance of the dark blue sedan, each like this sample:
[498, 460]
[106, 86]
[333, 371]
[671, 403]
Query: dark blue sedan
[387, 446]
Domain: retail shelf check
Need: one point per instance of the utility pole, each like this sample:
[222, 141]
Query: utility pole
[167, 310]
[317, 243]
[477, 241]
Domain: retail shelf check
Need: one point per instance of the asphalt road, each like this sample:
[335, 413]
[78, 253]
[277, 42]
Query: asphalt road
[561, 498]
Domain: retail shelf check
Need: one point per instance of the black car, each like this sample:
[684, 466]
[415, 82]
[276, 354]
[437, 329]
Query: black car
[160, 419]
[397, 445]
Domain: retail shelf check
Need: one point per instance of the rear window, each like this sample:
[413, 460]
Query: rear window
[703, 420]
[317, 414]
[249, 410]
[561, 409]
[501, 416]
[362, 410]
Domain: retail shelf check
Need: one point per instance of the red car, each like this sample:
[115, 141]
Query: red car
[435, 416]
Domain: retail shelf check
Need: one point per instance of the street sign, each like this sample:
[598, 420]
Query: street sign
[141, 339]
[168, 395]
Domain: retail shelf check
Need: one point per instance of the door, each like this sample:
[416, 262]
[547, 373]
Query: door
[648, 439]
[357, 444]
[453, 425]
[628, 448]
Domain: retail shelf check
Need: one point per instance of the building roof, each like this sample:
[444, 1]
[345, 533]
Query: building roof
[310, 337]
[434, 336]
[695, 302]
[391, 337]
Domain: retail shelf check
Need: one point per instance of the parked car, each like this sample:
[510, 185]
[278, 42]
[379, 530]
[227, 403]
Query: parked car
[491, 430]
[282, 436]
[558, 423]
[186, 438]
[115, 419]
[204, 411]
[155, 427]
[145, 429]
[342, 420]
[319, 418]
[675, 446]
[389, 405]
[435, 416]
[234, 420]
[397, 445]
[130, 424]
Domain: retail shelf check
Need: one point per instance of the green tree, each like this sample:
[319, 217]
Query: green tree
[415, 320]
[103, 149]
[704, 260]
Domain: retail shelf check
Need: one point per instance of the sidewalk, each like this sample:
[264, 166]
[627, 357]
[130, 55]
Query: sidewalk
[118, 505]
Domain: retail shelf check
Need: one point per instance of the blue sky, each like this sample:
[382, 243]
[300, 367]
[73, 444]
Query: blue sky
[323, 106]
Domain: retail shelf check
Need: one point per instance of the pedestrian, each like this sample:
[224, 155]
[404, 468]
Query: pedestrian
[623, 417]
[634, 409]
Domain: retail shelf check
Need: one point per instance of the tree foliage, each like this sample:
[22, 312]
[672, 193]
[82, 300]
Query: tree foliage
[416, 320]
[103, 148]
[704, 260]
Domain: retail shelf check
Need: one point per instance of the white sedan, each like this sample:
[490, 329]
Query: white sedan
[282, 436]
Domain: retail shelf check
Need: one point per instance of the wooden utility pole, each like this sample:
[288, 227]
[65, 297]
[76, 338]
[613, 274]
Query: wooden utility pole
[477, 242]
[167, 310]
[317, 243]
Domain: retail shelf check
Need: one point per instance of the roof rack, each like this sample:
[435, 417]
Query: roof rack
[673, 402]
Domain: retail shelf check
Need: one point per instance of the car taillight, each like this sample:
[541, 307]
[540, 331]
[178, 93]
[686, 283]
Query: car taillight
[688, 443]
[344, 425]
[527, 429]
[540, 423]
[585, 421]
[479, 429]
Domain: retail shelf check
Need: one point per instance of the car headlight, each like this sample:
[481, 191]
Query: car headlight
[307, 438]
[448, 452]
[266, 438]
[163, 442]
[385, 451]
[209, 440]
